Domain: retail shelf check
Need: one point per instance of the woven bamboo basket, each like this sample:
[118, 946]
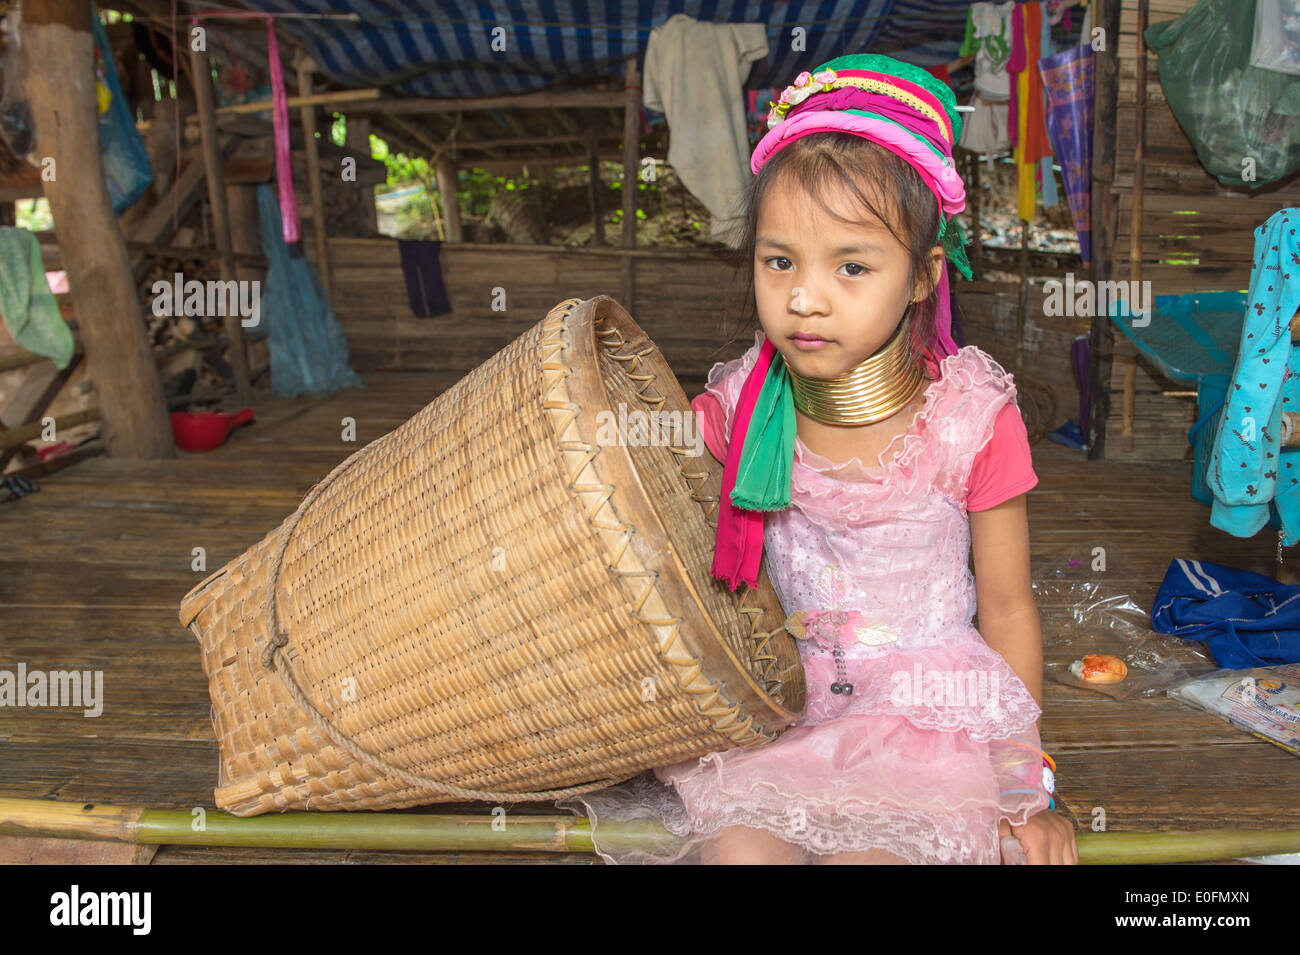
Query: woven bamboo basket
[493, 602]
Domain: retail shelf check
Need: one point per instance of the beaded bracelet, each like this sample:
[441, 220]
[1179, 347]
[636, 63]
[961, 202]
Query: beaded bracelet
[1049, 770]
[1051, 802]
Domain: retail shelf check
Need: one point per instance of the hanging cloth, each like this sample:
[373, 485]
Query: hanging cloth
[280, 125]
[1249, 466]
[1068, 78]
[27, 306]
[309, 352]
[1030, 131]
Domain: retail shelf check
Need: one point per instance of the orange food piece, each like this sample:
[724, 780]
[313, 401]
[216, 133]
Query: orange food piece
[1100, 668]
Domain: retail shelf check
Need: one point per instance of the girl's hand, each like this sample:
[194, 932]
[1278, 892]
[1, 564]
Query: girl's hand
[1046, 838]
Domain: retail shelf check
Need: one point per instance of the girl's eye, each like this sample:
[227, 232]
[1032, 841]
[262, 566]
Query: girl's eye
[853, 265]
[779, 258]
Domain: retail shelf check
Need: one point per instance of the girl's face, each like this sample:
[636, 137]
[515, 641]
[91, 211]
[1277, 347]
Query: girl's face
[829, 293]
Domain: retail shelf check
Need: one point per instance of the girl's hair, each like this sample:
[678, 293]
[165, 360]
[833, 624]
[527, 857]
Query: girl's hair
[830, 163]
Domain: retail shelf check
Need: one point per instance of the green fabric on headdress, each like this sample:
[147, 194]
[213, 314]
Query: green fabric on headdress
[953, 239]
[763, 477]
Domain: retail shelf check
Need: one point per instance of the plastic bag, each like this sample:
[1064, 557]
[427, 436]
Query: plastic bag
[1264, 702]
[127, 172]
[1277, 36]
[1084, 610]
[1241, 119]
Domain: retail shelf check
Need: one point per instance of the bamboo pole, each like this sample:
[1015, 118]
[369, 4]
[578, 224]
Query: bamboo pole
[313, 99]
[597, 201]
[977, 242]
[515, 832]
[544, 99]
[631, 179]
[448, 183]
[1135, 220]
[220, 219]
[19, 357]
[1105, 218]
[313, 178]
[1022, 304]
[12, 437]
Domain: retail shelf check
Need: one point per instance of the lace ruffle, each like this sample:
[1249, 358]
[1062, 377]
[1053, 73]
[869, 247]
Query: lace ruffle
[850, 785]
[966, 686]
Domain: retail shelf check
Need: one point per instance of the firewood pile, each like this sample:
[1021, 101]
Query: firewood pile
[191, 350]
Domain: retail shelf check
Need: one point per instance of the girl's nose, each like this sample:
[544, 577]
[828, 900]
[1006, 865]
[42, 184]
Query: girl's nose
[806, 300]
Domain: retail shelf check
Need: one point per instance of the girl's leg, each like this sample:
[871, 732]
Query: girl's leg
[741, 845]
[869, 857]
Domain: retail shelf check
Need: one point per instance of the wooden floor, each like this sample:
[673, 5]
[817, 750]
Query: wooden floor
[95, 563]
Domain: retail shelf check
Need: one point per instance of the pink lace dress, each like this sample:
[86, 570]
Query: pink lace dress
[938, 740]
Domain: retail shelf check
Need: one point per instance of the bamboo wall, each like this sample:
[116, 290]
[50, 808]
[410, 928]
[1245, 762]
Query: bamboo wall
[689, 303]
[1197, 235]
[682, 301]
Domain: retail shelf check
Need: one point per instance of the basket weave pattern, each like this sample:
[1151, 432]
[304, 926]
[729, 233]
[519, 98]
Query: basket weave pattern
[487, 604]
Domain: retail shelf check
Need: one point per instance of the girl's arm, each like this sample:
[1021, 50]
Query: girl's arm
[1008, 616]
[1009, 624]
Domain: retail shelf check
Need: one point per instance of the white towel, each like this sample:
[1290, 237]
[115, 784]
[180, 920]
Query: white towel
[694, 74]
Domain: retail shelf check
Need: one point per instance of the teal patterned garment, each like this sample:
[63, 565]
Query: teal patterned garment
[1248, 468]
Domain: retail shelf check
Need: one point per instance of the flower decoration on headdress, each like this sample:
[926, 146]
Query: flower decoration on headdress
[805, 84]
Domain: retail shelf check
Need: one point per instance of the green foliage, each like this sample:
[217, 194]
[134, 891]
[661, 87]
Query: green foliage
[33, 214]
[476, 187]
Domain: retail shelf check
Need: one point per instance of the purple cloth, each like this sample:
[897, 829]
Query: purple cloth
[1067, 77]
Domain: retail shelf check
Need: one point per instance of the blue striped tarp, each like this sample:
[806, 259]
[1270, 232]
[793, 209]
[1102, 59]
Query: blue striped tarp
[445, 48]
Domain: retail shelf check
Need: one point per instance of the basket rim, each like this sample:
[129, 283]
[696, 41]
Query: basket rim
[606, 311]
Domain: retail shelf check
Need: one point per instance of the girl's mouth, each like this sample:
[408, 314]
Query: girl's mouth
[808, 340]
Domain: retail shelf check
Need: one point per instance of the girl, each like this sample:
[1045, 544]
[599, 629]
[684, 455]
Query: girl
[867, 454]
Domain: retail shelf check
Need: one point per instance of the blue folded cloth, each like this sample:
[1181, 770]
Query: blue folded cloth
[1246, 620]
[1068, 434]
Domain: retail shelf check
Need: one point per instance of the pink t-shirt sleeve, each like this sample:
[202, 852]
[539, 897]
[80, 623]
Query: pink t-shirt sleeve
[1004, 468]
[711, 419]
[718, 400]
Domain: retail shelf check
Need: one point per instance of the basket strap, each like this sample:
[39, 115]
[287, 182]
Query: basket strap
[273, 659]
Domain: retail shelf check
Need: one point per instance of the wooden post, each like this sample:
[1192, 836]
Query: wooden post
[1135, 220]
[1105, 216]
[60, 84]
[357, 133]
[597, 200]
[1022, 307]
[204, 99]
[246, 241]
[448, 181]
[631, 150]
[305, 68]
[357, 138]
[977, 243]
